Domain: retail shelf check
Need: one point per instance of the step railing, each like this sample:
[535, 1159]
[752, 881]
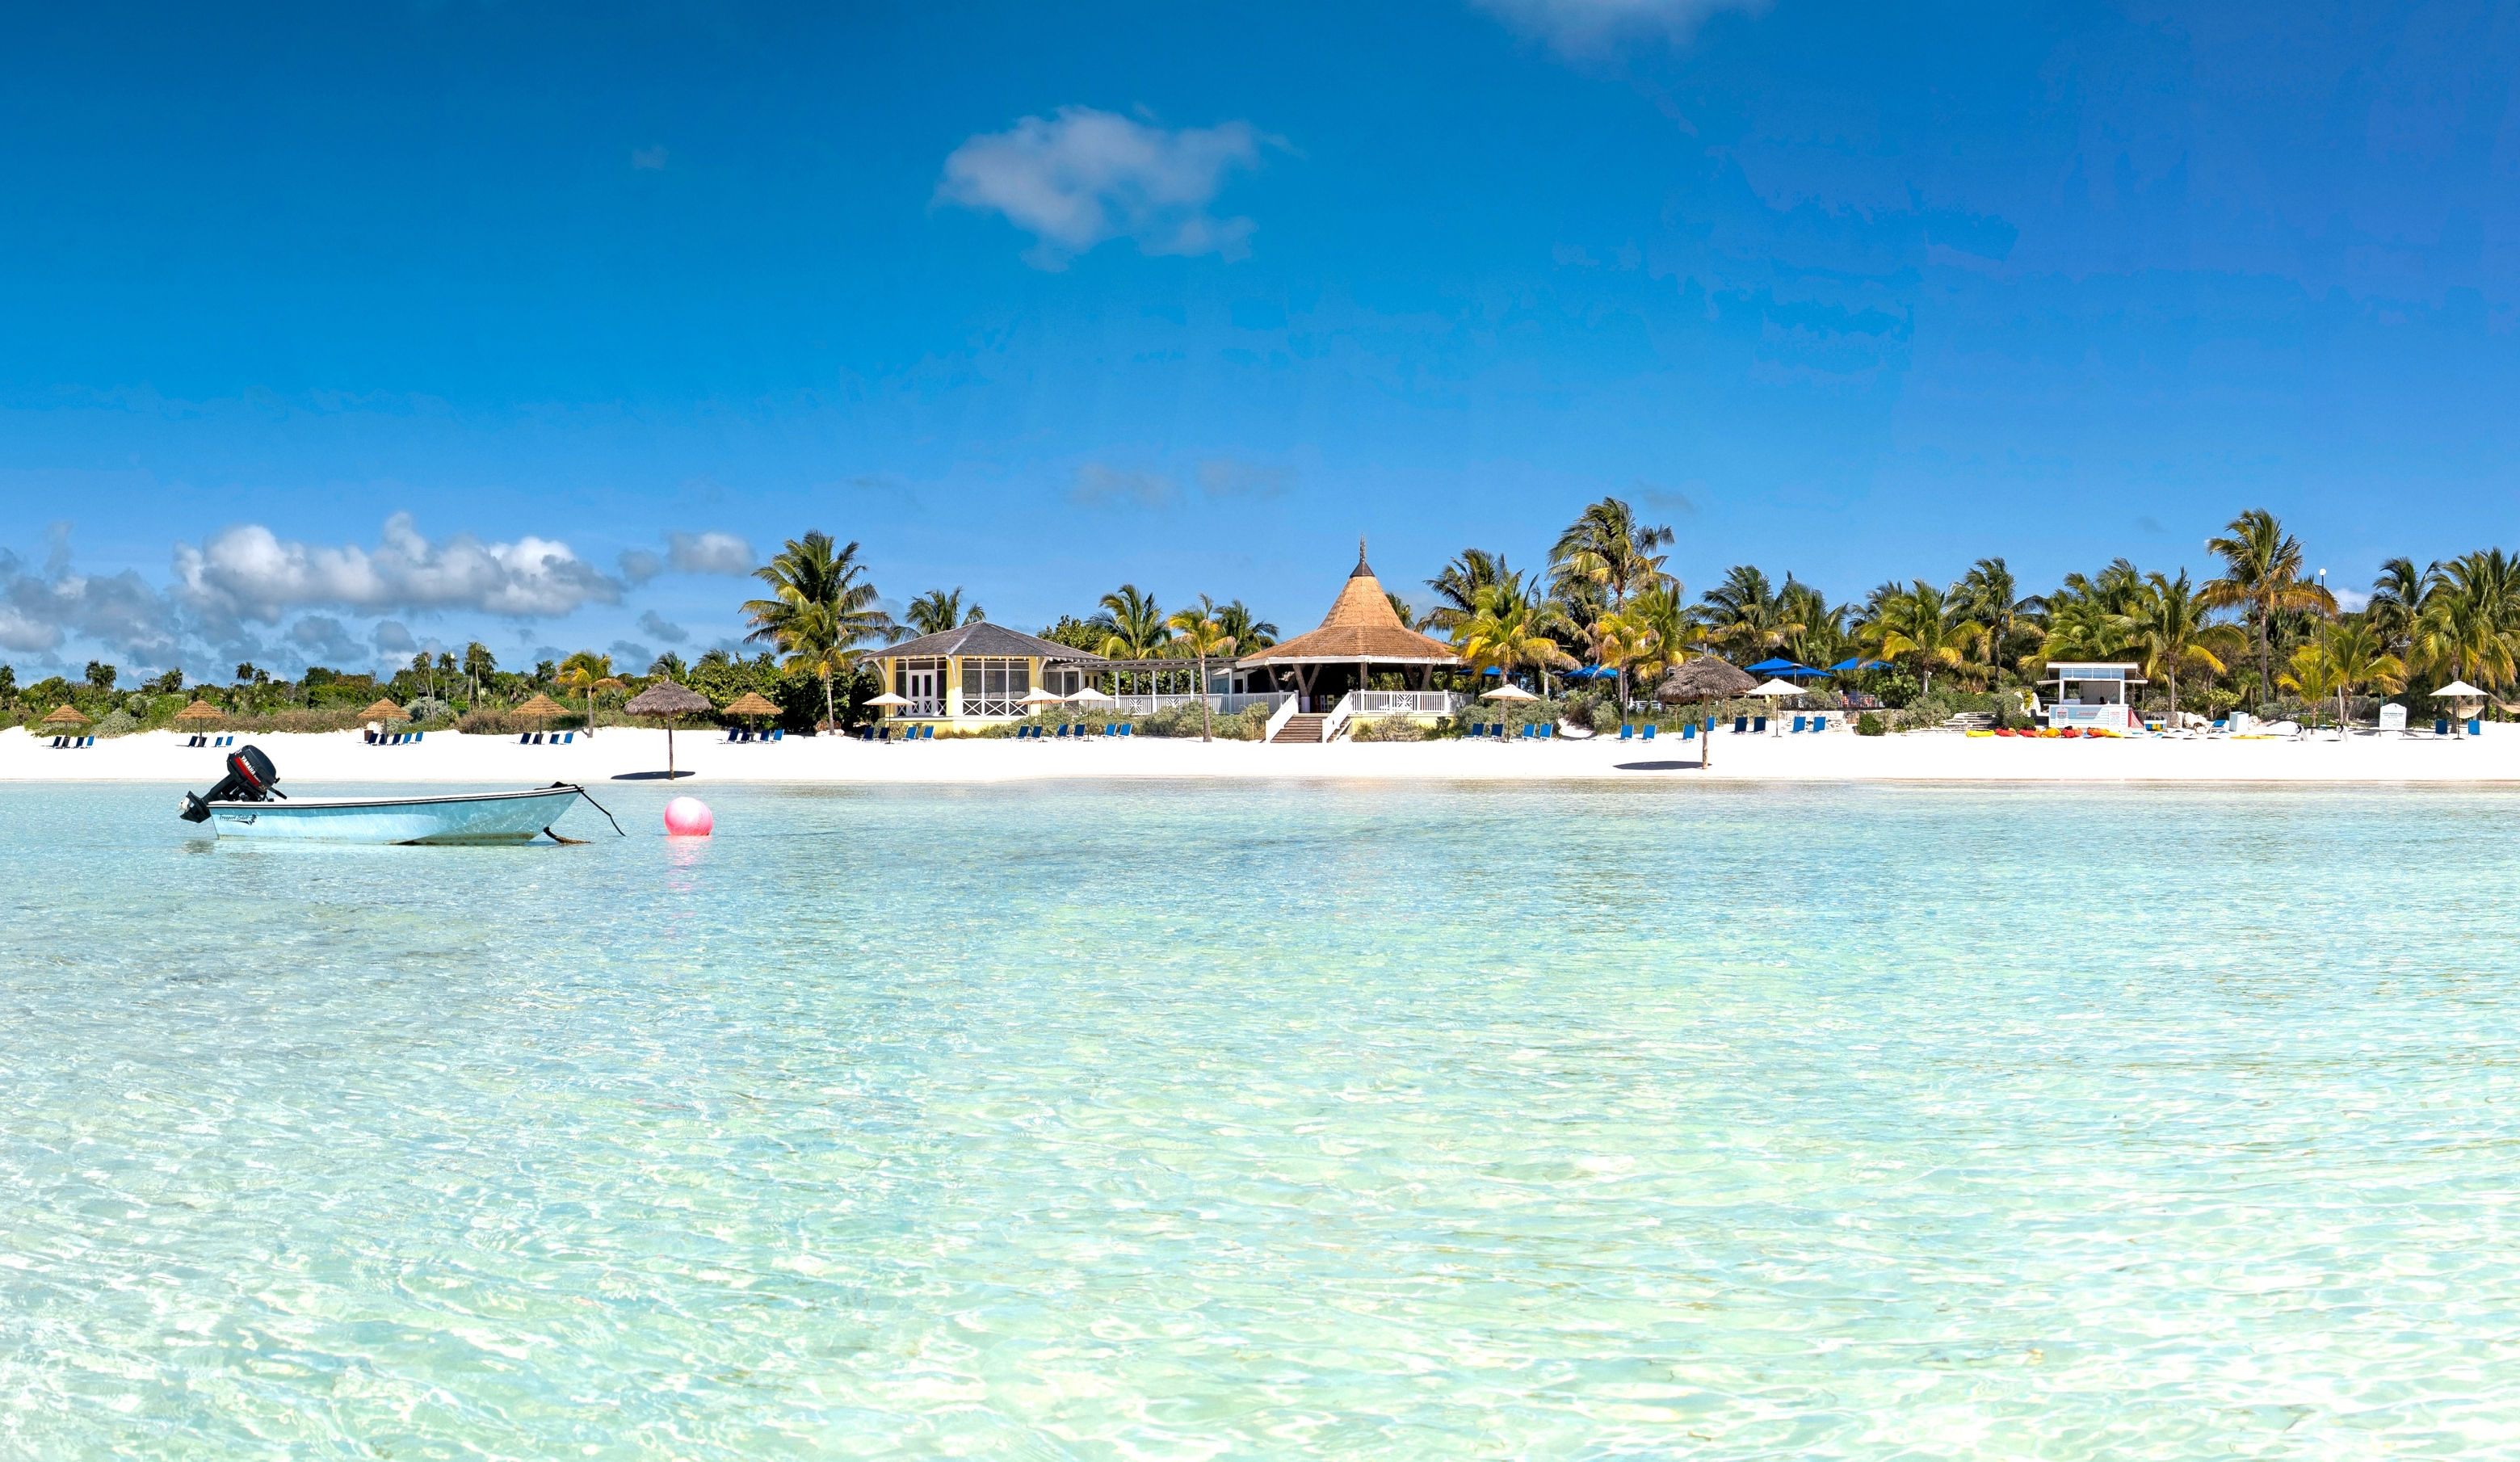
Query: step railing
[1334, 723]
[1279, 718]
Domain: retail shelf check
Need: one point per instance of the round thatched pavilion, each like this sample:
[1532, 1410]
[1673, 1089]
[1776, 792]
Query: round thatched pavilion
[1361, 636]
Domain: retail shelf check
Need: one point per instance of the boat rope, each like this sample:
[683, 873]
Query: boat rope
[592, 802]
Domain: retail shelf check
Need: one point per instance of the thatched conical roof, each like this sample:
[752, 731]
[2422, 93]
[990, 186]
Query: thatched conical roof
[666, 697]
[199, 713]
[1704, 678]
[67, 715]
[753, 703]
[541, 708]
[1360, 626]
[384, 711]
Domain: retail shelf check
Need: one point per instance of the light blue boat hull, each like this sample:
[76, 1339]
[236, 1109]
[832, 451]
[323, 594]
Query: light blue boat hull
[462, 817]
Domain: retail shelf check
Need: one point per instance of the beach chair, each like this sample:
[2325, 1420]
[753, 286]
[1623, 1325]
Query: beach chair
[1478, 731]
[525, 737]
[1547, 732]
[569, 738]
[1062, 731]
[415, 736]
[87, 741]
[1799, 722]
[1741, 725]
[1129, 728]
[1648, 732]
[2476, 725]
[59, 741]
[1623, 731]
[2441, 726]
[1758, 725]
[779, 734]
[1689, 730]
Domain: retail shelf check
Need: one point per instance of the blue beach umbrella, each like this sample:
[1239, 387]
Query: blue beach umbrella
[1853, 663]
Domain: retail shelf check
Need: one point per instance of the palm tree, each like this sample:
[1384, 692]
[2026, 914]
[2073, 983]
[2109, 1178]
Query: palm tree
[2398, 597]
[940, 610]
[1993, 599]
[669, 667]
[1247, 633]
[2471, 617]
[822, 608]
[1923, 623]
[1607, 548]
[2343, 659]
[1667, 617]
[480, 665]
[2168, 631]
[1744, 615]
[1820, 630]
[1619, 641]
[1510, 628]
[2262, 575]
[1131, 622]
[580, 672]
[1458, 588]
[1200, 632]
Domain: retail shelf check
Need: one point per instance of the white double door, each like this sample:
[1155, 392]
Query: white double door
[926, 693]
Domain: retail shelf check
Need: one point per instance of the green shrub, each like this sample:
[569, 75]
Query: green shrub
[1868, 724]
[120, 723]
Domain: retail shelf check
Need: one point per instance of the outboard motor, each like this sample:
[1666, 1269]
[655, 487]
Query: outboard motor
[251, 778]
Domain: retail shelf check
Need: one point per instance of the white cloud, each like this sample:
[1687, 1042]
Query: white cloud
[1085, 177]
[1224, 477]
[321, 637]
[40, 609]
[708, 552]
[639, 566]
[662, 629]
[393, 637]
[248, 573]
[1580, 26]
[1095, 484]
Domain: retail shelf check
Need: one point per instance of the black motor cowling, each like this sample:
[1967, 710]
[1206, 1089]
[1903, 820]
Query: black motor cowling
[251, 778]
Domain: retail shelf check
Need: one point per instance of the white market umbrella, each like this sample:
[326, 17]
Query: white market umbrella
[889, 698]
[1089, 696]
[2458, 690]
[1042, 696]
[1779, 688]
[1507, 692]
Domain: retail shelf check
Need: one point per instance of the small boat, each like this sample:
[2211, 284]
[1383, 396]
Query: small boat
[246, 803]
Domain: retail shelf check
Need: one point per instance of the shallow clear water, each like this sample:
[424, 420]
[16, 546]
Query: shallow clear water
[1187, 1120]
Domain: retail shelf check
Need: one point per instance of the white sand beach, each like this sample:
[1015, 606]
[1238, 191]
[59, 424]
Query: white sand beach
[343, 758]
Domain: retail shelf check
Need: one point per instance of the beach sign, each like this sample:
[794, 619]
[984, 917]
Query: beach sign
[2392, 718]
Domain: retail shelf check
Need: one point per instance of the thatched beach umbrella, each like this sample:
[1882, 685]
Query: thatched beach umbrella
[199, 713]
[1705, 678]
[67, 716]
[752, 705]
[541, 709]
[384, 711]
[669, 700]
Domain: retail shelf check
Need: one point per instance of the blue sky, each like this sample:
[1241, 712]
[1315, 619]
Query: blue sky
[331, 331]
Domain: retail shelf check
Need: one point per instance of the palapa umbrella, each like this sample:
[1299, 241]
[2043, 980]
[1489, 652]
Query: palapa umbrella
[67, 715]
[199, 713]
[667, 699]
[541, 708]
[753, 704]
[384, 711]
[1705, 678]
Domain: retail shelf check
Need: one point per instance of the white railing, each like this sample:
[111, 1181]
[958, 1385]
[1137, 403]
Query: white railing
[1279, 718]
[1222, 703]
[1408, 703]
[1334, 724]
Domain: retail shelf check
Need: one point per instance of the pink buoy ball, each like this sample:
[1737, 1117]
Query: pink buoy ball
[689, 817]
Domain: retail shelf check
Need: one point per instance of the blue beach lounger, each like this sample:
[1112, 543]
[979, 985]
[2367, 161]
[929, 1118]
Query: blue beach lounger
[1689, 730]
[2476, 725]
[1649, 731]
[2441, 726]
[1798, 726]
[1758, 725]
[1626, 731]
[1740, 725]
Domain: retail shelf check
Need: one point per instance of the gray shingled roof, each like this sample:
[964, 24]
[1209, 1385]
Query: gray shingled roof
[985, 638]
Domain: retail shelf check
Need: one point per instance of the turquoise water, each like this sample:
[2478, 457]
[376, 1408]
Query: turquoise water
[1222, 1121]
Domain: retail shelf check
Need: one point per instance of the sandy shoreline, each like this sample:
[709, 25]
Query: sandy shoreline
[342, 758]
